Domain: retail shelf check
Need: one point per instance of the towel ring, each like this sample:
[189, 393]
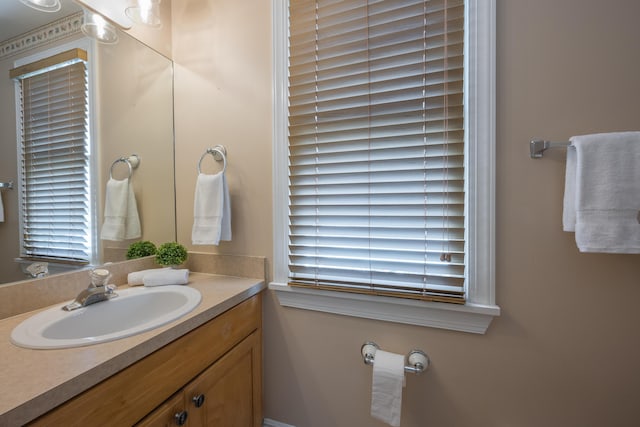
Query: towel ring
[219, 153]
[132, 163]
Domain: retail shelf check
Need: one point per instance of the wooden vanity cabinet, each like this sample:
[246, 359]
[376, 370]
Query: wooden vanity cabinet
[219, 364]
[225, 394]
[168, 414]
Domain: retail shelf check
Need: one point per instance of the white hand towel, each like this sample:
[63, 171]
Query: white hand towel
[386, 387]
[212, 210]
[569, 203]
[602, 192]
[121, 220]
[132, 228]
[135, 278]
[171, 277]
[1, 209]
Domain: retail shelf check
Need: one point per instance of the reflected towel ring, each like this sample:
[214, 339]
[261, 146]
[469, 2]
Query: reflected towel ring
[219, 153]
[131, 161]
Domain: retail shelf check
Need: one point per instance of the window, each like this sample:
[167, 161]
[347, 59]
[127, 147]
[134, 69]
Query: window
[54, 150]
[385, 205]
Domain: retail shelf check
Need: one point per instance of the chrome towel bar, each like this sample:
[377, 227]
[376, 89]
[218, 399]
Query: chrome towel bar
[418, 361]
[6, 185]
[538, 146]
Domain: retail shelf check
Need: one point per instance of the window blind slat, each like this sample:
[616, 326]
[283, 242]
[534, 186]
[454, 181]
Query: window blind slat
[376, 147]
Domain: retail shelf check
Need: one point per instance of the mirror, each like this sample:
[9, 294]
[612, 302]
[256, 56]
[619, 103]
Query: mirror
[133, 114]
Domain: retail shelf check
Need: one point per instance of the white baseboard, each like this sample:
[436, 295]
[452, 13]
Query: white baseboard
[272, 423]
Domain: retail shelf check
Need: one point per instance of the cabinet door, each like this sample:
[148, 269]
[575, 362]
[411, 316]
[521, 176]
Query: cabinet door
[232, 389]
[170, 414]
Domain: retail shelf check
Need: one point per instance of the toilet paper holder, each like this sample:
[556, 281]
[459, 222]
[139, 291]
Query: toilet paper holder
[418, 361]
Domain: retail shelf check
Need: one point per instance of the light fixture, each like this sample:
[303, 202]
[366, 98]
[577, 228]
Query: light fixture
[95, 26]
[146, 12]
[43, 5]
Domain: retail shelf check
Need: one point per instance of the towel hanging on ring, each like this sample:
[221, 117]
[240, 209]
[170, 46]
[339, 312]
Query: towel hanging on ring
[212, 204]
[121, 219]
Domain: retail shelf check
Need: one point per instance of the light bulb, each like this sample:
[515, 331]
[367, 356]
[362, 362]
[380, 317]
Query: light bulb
[95, 26]
[147, 12]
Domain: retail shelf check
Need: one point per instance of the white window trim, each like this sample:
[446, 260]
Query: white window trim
[480, 308]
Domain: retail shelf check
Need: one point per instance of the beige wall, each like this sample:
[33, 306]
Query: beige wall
[565, 350]
[222, 84]
[135, 116]
[9, 234]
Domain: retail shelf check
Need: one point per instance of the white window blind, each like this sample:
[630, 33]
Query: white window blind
[55, 199]
[376, 147]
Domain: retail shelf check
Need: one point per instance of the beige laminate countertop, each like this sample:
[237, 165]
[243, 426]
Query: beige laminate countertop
[33, 382]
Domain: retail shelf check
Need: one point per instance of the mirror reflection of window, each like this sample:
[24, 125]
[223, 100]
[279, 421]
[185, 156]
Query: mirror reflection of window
[54, 148]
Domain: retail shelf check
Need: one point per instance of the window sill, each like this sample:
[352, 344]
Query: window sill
[473, 318]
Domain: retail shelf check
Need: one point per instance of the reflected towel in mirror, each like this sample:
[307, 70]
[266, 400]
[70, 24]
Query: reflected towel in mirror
[121, 220]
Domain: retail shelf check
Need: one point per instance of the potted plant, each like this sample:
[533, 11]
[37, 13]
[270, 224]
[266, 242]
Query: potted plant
[141, 249]
[171, 254]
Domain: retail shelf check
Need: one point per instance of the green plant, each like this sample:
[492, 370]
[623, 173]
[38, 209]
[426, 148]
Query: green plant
[141, 249]
[171, 253]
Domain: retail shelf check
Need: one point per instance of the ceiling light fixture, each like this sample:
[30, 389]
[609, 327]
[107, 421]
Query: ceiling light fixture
[146, 12]
[43, 5]
[95, 26]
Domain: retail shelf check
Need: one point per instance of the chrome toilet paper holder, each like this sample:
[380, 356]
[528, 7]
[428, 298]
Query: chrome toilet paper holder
[418, 361]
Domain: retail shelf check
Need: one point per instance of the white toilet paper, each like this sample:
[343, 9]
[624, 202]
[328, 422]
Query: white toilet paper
[386, 387]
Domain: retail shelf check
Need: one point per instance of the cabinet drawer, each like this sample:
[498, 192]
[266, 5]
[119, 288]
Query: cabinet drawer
[126, 397]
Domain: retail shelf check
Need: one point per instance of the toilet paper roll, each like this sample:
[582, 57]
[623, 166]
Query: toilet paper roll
[386, 387]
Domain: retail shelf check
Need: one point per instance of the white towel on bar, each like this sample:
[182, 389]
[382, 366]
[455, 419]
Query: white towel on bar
[1, 208]
[121, 220]
[211, 210]
[602, 192]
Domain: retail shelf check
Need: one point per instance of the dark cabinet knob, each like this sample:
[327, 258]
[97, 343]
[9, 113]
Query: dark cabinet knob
[198, 400]
[180, 418]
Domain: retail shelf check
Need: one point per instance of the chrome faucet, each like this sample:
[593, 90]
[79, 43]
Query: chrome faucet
[97, 291]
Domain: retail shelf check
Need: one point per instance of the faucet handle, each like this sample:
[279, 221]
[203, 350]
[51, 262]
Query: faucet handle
[99, 277]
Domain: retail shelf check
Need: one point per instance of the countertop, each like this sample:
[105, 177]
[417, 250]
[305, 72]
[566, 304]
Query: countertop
[35, 381]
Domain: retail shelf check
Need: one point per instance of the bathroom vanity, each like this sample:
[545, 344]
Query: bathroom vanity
[202, 369]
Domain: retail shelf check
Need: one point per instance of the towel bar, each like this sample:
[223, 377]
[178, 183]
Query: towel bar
[417, 359]
[538, 146]
[6, 185]
[219, 152]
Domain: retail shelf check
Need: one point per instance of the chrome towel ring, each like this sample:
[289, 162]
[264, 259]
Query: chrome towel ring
[219, 152]
[132, 163]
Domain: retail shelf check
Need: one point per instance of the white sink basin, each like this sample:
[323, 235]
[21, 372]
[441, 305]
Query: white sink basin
[133, 311]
